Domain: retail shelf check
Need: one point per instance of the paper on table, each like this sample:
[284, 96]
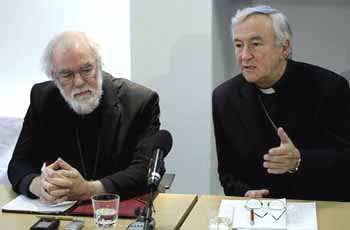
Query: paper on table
[27, 205]
[300, 216]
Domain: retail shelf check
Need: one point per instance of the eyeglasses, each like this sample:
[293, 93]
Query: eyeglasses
[275, 207]
[86, 71]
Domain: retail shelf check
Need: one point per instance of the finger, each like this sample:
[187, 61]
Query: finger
[283, 136]
[49, 187]
[45, 196]
[265, 192]
[64, 165]
[61, 182]
[276, 171]
[61, 199]
[295, 154]
[53, 166]
[50, 173]
[250, 194]
[276, 158]
[254, 194]
[68, 173]
[273, 165]
[60, 192]
[257, 194]
[281, 150]
[45, 184]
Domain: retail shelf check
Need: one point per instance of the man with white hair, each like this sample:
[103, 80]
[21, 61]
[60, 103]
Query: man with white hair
[282, 127]
[90, 131]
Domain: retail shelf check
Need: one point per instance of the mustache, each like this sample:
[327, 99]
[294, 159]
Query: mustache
[84, 103]
[79, 90]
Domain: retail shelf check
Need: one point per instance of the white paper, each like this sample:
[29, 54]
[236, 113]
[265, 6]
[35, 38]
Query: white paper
[299, 216]
[25, 204]
[241, 218]
[302, 216]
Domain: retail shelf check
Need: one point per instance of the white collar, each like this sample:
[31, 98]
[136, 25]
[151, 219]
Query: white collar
[267, 91]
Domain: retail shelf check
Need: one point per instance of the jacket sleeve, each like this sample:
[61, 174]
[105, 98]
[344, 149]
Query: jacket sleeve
[25, 163]
[132, 180]
[227, 159]
[330, 161]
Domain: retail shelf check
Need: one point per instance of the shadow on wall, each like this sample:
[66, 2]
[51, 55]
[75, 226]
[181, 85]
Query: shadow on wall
[185, 101]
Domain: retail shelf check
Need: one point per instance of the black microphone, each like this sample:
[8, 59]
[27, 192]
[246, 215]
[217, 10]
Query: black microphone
[162, 143]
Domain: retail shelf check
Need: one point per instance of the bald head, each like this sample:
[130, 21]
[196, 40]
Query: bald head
[70, 42]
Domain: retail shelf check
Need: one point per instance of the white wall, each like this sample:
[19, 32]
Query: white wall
[171, 53]
[321, 31]
[27, 26]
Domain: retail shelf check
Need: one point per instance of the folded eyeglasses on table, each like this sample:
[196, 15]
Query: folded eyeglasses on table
[276, 208]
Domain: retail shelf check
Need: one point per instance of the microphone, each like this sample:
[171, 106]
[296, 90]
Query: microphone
[162, 143]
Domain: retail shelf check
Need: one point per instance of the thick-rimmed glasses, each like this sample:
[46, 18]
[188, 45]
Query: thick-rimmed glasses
[275, 207]
[67, 76]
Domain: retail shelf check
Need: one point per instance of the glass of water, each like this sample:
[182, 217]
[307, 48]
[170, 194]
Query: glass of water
[106, 207]
[220, 223]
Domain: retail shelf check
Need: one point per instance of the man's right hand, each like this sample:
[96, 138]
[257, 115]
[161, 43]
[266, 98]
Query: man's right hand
[255, 194]
[50, 186]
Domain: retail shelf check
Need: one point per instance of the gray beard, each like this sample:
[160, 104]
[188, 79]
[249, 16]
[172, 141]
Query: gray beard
[86, 104]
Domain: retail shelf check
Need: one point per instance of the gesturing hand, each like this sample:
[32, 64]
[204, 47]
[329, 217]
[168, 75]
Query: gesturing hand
[284, 158]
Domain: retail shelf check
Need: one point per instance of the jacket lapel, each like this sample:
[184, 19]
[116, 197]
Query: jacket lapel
[250, 114]
[64, 129]
[290, 109]
[110, 118]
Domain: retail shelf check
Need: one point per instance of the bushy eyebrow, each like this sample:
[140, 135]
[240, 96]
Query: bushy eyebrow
[86, 65]
[257, 38]
[64, 71]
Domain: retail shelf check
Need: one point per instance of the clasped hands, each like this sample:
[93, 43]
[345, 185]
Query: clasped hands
[59, 182]
[278, 160]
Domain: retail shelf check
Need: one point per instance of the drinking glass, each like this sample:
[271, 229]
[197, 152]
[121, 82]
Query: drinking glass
[106, 207]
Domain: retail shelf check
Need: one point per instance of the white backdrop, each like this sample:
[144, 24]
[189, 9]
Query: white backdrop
[26, 27]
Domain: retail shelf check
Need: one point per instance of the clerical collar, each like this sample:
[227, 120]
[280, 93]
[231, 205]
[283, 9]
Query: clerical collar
[267, 91]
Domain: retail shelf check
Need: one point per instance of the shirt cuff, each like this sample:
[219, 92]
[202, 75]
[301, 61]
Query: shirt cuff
[108, 185]
[25, 183]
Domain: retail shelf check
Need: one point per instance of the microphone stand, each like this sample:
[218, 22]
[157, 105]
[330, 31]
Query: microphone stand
[144, 220]
[154, 183]
[149, 220]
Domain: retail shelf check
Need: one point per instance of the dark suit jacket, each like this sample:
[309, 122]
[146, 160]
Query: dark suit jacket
[129, 116]
[314, 108]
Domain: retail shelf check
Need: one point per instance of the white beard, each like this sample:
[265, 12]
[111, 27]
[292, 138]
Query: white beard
[84, 104]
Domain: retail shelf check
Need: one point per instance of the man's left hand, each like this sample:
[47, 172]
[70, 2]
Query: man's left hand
[284, 158]
[80, 188]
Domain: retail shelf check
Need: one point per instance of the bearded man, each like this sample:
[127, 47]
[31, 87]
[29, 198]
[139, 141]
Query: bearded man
[85, 132]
